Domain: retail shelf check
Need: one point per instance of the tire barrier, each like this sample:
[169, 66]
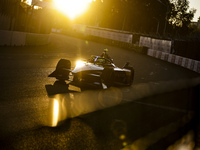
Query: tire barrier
[14, 38]
[191, 64]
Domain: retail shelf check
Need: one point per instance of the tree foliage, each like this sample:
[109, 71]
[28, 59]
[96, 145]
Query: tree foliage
[130, 15]
[17, 16]
[145, 16]
[179, 16]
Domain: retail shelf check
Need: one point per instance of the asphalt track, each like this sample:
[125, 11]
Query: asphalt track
[26, 104]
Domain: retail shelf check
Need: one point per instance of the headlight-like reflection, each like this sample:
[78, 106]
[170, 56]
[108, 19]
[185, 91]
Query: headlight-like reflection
[80, 63]
[57, 109]
[69, 105]
[55, 112]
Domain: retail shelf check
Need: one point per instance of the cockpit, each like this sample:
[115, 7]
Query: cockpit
[97, 60]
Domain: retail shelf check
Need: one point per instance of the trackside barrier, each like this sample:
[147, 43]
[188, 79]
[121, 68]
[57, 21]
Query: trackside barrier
[113, 42]
[14, 38]
[35, 39]
[191, 64]
[156, 44]
[56, 30]
[18, 39]
[31, 39]
[5, 37]
[146, 42]
[103, 33]
[43, 38]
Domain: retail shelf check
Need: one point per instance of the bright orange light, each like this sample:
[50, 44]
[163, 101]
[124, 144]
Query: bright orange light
[72, 8]
[55, 112]
[80, 63]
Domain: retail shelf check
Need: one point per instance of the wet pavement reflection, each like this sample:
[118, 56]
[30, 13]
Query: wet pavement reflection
[140, 116]
[68, 101]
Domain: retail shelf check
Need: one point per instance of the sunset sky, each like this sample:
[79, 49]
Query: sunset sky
[195, 4]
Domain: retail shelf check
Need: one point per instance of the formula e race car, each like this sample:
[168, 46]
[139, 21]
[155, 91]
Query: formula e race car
[97, 71]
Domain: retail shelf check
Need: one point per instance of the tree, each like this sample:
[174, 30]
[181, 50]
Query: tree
[129, 15]
[147, 16]
[179, 17]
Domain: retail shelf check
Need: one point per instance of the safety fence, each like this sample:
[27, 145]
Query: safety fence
[14, 38]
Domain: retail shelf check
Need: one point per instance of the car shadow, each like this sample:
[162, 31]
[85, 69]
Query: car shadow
[59, 87]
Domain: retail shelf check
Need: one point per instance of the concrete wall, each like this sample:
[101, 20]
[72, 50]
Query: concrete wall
[175, 59]
[104, 33]
[156, 44]
[14, 38]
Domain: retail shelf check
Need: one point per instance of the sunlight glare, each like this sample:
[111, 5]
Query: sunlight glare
[55, 112]
[80, 63]
[72, 8]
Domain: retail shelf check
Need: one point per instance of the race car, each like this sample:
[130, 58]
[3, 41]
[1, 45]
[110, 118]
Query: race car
[97, 71]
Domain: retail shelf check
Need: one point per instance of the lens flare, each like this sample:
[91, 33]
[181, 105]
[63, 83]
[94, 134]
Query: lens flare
[80, 63]
[55, 112]
[72, 8]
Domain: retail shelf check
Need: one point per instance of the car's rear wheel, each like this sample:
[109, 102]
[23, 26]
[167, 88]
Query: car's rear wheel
[63, 64]
[62, 70]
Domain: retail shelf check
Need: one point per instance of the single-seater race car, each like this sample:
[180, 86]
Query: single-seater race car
[97, 71]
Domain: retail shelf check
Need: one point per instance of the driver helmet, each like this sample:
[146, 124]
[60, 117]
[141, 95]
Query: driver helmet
[105, 50]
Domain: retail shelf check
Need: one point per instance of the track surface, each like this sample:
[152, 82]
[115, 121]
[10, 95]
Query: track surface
[25, 103]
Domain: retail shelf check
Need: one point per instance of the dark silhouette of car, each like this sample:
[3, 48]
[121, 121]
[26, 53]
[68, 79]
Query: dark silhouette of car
[97, 72]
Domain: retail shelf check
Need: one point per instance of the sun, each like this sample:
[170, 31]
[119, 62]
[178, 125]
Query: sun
[72, 8]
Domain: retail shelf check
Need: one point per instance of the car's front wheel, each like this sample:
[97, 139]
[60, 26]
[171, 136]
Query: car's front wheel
[62, 70]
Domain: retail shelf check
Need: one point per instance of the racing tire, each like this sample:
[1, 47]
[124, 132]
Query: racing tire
[107, 76]
[62, 70]
[63, 64]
